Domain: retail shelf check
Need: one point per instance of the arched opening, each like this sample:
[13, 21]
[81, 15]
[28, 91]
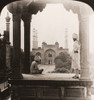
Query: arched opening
[80, 17]
[38, 53]
[49, 56]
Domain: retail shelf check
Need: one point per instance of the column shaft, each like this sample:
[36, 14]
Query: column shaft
[16, 46]
[7, 26]
[84, 51]
[26, 19]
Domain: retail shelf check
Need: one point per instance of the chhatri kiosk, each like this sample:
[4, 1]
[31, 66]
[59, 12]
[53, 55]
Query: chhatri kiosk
[48, 86]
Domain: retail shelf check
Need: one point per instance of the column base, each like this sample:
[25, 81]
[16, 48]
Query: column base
[17, 77]
[16, 74]
[84, 75]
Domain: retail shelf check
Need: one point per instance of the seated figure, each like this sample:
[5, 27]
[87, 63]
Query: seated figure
[34, 66]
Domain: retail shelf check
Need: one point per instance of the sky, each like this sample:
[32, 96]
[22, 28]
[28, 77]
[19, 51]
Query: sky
[51, 24]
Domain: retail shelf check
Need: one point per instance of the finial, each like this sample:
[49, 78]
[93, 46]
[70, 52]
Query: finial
[7, 17]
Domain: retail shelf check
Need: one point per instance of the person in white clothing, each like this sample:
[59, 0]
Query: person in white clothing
[76, 56]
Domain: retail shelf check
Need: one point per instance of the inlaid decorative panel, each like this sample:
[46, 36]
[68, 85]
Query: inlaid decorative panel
[74, 92]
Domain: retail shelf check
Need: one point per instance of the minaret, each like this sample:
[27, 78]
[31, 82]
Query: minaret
[35, 39]
[7, 18]
[66, 38]
[6, 33]
[7, 22]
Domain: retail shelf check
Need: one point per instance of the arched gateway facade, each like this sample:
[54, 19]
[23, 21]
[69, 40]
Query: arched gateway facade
[24, 10]
[48, 52]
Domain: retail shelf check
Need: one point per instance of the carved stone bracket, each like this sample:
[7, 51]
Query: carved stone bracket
[16, 17]
[34, 7]
[26, 17]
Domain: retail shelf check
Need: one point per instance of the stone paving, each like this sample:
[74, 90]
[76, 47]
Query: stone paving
[47, 68]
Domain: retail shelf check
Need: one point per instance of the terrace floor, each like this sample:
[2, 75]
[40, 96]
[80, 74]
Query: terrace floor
[47, 75]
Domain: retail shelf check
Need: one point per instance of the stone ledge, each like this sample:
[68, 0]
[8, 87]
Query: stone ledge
[50, 83]
[49, 87]
[50, 79]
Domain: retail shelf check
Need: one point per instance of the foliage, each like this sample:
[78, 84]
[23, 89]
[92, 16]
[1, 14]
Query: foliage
[63, 63]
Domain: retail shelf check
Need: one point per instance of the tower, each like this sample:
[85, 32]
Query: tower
[7, 22]
[66, 38]
[35, 39]
[7, 18]
[7, 45]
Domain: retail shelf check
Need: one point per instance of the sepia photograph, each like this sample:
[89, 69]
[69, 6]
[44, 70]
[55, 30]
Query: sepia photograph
[47, 50]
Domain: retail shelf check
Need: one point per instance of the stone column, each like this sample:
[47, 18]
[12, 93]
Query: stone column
[26, 18]
[16, 46]
[84, 50]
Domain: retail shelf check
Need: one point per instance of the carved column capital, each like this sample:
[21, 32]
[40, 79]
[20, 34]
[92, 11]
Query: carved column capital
[26, 17]
[36, 6]
[16, 17]
[15, 7]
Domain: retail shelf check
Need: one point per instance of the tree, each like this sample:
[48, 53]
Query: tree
[63, 63]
